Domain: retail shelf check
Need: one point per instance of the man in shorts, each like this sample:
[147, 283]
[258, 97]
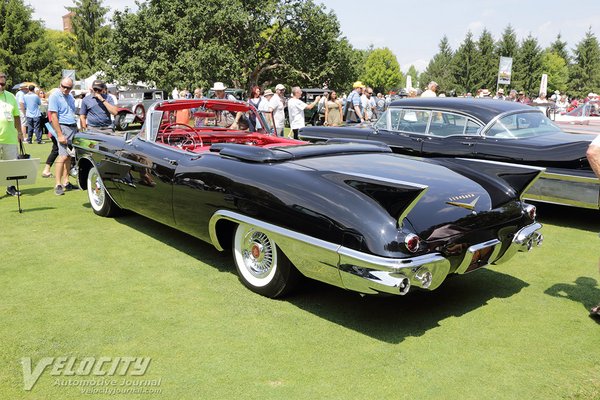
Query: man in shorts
[10, 127]
[593, 156]
[61, 107]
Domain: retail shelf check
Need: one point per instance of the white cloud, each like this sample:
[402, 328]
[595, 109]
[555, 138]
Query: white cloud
[476, 27]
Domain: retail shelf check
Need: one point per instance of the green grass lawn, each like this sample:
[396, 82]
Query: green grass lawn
[77, 285]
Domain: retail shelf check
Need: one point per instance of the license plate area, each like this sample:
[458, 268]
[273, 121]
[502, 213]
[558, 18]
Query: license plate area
[479, 255]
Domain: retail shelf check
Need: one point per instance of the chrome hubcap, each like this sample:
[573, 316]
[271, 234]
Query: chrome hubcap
[96, 190]
[257, 253]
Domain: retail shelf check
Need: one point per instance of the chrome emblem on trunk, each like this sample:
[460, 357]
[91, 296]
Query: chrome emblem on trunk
[469, 206]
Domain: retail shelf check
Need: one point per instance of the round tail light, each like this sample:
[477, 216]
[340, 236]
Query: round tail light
[531, 211]
[412, 242]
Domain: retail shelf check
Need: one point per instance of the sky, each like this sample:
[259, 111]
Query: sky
[413, 29]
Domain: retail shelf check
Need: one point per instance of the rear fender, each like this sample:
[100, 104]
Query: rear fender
[503, 181]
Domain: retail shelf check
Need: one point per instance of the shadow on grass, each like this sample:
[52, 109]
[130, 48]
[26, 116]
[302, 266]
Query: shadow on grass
[390, 319]
[585, 290]
[190, 245]
[570, 217]
[393, 319]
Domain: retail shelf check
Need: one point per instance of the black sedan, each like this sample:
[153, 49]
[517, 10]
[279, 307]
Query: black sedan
[351, 214]
[484, 129]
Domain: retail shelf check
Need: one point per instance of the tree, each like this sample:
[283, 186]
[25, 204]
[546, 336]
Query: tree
[585, 72]
[527, 66]
[485, 65]
[556, 68]
[560, 47]
[90, 34]
[507, 46]
[290, 41]
[17, 33]
[438, 69]
[462, 65]
[49, 56]
[382, 71]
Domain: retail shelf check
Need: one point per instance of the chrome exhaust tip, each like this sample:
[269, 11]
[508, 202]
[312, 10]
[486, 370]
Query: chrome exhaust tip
[404, 286]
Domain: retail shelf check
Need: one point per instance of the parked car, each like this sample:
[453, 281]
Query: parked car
[351, 214]
[584, 114]
[133, 104]
[488, 130]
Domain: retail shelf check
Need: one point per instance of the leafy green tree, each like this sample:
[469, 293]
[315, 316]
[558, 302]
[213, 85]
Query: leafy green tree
[178, 43]
[438, 68]
[462, 65]
[508, 45]
[560, 47]
[556, 68]
[527, 67]
[485, 65]
[50, 55]
[91, 34]
[382, 71]
[585, 72]
[17, 33]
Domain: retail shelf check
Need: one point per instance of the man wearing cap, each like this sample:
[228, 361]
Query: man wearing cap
[96, 109]
[353, 111]
[512, 96]
[277, 106]
[10, 125]
[225, 119]
[61, 109]
[432, 87]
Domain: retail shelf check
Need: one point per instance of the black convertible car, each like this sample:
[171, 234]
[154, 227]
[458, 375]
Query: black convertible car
[484, 129]
[351, 214]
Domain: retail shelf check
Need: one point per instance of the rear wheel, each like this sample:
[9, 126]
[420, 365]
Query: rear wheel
[100, 201]
[262, 267]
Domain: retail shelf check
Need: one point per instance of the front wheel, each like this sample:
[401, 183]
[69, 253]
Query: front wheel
[100, 201]
[262, 267]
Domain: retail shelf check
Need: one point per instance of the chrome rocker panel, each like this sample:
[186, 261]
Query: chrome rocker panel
[366, 273]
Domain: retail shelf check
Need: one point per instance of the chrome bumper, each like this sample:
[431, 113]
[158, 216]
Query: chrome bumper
[370, 274]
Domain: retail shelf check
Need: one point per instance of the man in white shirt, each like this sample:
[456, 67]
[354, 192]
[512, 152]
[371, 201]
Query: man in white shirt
[276, 106]
[432, 87]
[296, 110]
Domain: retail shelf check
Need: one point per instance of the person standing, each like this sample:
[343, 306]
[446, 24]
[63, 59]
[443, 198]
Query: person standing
[97, 108]
[277, 106]
[226, 119]
[333, 110]
[499, 95]
[61, 107]
[23, 89]
[368, 104]
[296, 109]
[593, 156]
[353, 111]
[10, 127]
[432, 88]
[32, 103]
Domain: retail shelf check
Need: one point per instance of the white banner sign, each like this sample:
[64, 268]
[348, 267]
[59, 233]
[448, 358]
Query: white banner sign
[505, 70]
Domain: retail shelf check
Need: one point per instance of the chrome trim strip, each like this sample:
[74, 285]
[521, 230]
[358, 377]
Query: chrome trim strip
[571, 178]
